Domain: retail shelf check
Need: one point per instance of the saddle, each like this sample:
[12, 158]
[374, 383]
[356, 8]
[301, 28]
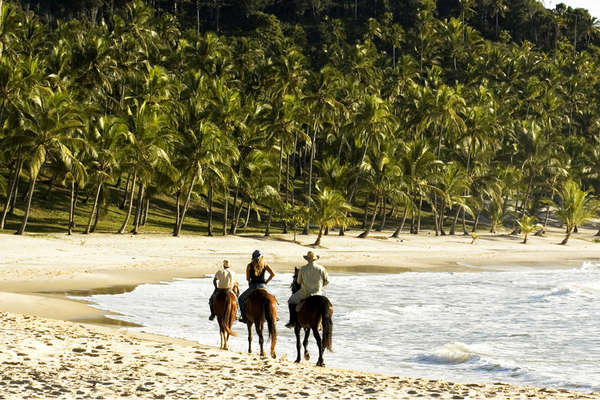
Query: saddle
[299, 305]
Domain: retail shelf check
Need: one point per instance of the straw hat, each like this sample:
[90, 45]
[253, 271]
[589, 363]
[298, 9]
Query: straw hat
[225, 264]
[310, 256]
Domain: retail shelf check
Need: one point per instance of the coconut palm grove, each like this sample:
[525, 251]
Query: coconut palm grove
[217, 117]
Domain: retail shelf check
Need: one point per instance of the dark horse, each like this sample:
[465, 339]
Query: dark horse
[261, 306]
[313, 312]
[225, 306]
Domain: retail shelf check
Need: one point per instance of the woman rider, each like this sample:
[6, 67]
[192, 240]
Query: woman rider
[255, 275]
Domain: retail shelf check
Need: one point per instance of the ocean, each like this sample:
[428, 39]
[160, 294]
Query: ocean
[522, 326]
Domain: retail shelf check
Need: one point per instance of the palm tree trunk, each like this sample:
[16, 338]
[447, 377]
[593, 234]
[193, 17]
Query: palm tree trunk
[13, 183]
[71, 208]
[566, 239]
[11, 211]
[269, 220]
[453, 229]
[247, 216]
[185, 206]
[318, 241]
[177, 211]
[476, 222]
[383, 216]
[130, 207]
[419, 214]
[210, 209]
[355, 183]
[94, 208]
[146, 210]
[287, 189]
[237, 218]
[399, 229]
[138, 211]
[21, 229]
[126, 192]
[310, 173]
[226, 206]
[442, 217]
[370, 227]
[235, 199]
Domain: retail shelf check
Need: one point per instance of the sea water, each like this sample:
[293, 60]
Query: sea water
[531, 327]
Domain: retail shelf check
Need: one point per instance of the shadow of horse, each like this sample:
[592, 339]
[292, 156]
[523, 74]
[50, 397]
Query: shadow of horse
[225, 306]
[313, 313]
[261, 307]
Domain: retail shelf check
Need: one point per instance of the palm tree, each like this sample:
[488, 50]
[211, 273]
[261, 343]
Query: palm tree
[528, 225]
[328, 209]
[49, 120]
[107, 134]
[146, 149]
[575, 206]
[382, 174]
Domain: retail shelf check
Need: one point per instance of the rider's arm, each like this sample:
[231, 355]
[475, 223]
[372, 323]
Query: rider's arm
[325, 277]
[271, 273]
[215, 281]
[248, 272]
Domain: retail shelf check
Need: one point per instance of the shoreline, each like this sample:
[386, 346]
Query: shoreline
[40, 271]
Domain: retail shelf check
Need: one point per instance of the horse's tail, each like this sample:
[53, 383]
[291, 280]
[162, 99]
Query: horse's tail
[270, 305]
[230, 312]
[326, 321]
[271, 316]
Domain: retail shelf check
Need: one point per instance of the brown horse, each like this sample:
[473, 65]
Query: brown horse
[313, 312]
[225, 306]
[261, 306]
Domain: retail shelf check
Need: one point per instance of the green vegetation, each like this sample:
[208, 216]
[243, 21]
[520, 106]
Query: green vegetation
[215, 116]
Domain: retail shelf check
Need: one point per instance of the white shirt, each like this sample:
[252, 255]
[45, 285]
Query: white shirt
[312, 277]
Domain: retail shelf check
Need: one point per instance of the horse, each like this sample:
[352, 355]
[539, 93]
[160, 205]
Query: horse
[225, 306]
[312, 313]
[261, 306]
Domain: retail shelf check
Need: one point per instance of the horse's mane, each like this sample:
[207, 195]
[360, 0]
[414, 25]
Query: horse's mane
[295, 286]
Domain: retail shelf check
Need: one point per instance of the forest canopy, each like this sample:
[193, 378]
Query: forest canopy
[302, 111]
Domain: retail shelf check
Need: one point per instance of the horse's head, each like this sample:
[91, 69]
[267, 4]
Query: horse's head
[295, 286]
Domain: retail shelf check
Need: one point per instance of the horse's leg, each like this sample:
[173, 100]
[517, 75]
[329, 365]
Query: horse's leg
[298, 345]
[259, 331]
[249, 324]
[305, 343]
[319, 345]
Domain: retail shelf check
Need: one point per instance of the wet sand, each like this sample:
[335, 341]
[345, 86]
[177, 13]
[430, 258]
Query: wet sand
[56, 357]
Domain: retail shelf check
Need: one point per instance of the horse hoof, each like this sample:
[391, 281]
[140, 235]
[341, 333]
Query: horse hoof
[320, 364]
[307, 356]
[297, 361]
[273, 355]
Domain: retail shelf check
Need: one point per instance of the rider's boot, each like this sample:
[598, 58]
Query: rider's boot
[242, 316]
[212, 313]
[293, 313]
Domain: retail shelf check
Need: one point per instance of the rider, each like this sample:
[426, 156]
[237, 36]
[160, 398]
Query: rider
[255, 275]
[312, 277]
[224, 279]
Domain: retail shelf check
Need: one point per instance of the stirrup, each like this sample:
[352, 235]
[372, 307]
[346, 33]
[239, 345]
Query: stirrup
[212, 317]
[290, 325]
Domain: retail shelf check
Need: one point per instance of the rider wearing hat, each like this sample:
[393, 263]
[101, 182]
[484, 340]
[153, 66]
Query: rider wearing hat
[224, 279]
[312, 277]
[255, 275]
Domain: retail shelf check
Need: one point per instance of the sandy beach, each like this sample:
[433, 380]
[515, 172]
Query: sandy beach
[48, 351]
